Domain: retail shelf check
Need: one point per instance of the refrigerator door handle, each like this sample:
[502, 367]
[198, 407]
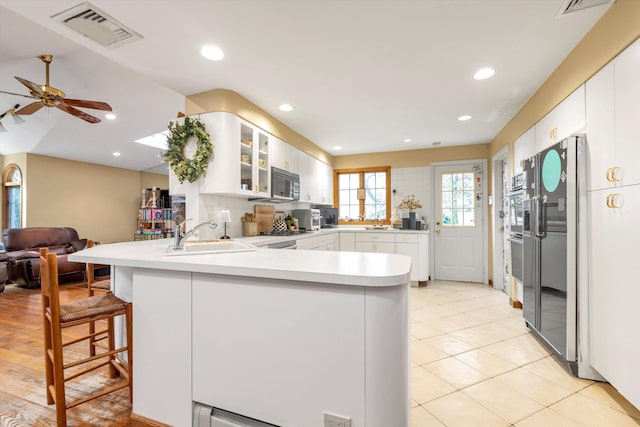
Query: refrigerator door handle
[541, 218]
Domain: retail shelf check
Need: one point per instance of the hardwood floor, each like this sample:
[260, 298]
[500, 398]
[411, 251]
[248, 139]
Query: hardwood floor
[22, 384]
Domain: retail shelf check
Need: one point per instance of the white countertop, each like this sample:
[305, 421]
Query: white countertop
[265, 240]
[342, 268]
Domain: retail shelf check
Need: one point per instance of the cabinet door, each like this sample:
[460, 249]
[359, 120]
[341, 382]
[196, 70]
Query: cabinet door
[307, 176]
[627, 106]
[523, 148]
[283, 156]
[324, 179]
[347, 241]
[566, 119]
[613, 289]
[410, 249]
[600, 127]
[261, 165]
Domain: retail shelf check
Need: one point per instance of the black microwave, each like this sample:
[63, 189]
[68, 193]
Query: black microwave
[285, 186]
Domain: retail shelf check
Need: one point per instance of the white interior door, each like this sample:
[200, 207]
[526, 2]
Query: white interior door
[459, 221]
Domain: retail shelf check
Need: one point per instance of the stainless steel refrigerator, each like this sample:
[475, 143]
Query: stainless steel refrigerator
[555, 305]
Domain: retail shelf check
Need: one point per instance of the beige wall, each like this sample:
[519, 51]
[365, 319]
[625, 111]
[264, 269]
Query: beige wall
[100, 202]
[412, 158]
[229, 101]
[150, 180]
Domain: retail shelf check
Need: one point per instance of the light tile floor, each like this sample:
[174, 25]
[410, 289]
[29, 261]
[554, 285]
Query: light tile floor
[474, 363]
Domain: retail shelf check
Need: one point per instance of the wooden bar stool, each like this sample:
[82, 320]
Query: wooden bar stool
[57, 317]
[103, 284]
[100, 286]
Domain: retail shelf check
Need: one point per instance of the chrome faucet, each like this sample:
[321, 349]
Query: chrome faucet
[179, 238]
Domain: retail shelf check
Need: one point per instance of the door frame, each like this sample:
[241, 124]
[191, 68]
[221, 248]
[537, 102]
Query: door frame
[497, 194]
[435, 191]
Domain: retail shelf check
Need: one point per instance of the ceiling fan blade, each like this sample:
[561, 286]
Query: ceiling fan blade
[17, 94]
[96, 105]
[29, 109]
[30, 85]
[80, 114]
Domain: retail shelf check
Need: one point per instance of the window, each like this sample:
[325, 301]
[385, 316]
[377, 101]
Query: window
[363, 195]
[12, 183]
[458, 199]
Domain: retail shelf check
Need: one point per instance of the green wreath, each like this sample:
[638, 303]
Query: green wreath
[188, 169]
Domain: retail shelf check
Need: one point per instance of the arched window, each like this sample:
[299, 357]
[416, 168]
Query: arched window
[12, 197]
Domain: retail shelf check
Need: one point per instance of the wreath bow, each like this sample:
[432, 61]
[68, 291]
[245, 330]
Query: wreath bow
[184, 168]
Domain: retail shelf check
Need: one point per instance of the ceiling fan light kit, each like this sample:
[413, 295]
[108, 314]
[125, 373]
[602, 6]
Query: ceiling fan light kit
[49, 96]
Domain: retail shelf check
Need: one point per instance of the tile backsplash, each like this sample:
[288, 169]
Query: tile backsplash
[416, 181]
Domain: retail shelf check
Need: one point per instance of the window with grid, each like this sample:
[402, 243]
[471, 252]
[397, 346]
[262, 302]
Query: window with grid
[458, 199]
[363, 194]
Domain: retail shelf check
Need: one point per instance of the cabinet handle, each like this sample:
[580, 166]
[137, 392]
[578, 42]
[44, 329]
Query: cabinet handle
[615, 176]
[609, 175]
[437, 231]
[612, 201]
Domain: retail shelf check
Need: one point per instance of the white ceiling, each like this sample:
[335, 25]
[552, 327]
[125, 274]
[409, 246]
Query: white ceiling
[361, 74]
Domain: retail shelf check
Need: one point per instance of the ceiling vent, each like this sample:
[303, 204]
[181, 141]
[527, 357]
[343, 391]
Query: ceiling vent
[97, 25]
[569, 6]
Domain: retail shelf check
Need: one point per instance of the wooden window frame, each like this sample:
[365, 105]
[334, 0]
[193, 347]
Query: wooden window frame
[362, 171]
[7, 183]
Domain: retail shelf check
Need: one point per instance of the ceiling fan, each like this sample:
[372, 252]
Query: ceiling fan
[48, 96]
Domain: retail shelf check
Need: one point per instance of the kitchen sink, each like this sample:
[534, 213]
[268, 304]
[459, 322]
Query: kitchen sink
[196, 247]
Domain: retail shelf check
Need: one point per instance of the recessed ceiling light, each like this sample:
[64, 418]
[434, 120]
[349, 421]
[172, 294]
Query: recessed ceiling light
[110, 116]
[464, 118]
[337, 147]
[484, 73]
[407, 140]
[212, 53]
[116, 154]
[285, 107]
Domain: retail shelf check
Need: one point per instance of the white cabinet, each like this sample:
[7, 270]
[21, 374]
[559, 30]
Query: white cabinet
[409, 249]
[307, 243]
[347, 241]
[306, 170]
[523, 148]
[627, 108]
[601, 133]
[613, 290]
[324, 176]
[316, 180]
[565, 120]
[327, 242]
[240, 164]
[283, 156]
[382, 242]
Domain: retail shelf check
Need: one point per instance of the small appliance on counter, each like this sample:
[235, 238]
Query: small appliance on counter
[309, 219]
[328, 216]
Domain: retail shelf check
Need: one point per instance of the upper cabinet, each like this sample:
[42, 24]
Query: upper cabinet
[316, 180]
[523, 148]
[240, 164]
[613, 134]
[565, 120]
[284, 156]
[600, 128]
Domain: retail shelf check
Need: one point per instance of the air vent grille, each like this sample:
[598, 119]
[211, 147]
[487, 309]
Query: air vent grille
[570, 6]
[97, 25]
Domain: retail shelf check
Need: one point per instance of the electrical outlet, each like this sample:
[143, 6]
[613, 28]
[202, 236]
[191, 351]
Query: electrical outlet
[332, 420]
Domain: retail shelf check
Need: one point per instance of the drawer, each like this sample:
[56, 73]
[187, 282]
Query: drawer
[326, 239]
[406, 238]
[375, 237]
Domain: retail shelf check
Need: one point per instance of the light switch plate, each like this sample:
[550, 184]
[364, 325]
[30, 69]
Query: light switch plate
[332, 420]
